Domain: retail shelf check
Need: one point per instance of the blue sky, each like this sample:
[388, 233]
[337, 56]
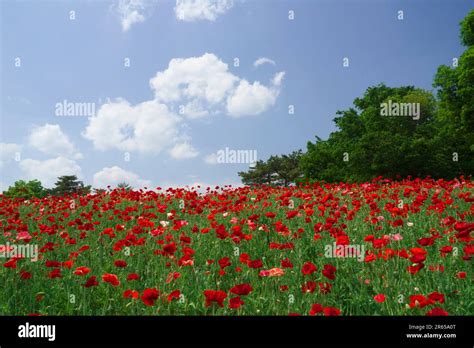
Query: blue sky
[182, 56]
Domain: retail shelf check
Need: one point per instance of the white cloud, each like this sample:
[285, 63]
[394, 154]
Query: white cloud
[263, 60]
[130, 12]
[183, 151]
[187, 89]
[278, 79]
[194, 82]
[253, 99]
[211, 159]
[194, 10]
[50, 140]
[203, 85]
[114, 175]
[8, 152]
[48, 171]
[145, 127]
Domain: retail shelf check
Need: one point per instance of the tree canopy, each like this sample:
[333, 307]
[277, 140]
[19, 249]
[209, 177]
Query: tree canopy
[376, 137]
[68, 185]
[26, 189]
[277, 170]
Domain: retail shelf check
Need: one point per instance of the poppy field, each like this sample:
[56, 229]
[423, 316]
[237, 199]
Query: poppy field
[378, 248]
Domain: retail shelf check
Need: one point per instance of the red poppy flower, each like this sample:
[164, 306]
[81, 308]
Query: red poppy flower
[25, 275]
[224, 262]
[111, 279]
[331, 311]
[84, 248]
[133, 276]
[149, 296]
[120, 263]
[418, 251]
[55, 273]
[417, 258]
[379, 298]
[291, 214]
[464, 227]
[315, 309]
[49, 263]
[308, 268]
[92, 281]
[286, 263]
[174, 295]
[419, 301]
[169, 249]
[270, 214]
[186, 260]
[255, 264]
[427, 241]
[130, 294]
[416, 268]
[436, 297]
[469, 249]
[446, 249]
[329, 271]
[82, 270]
[325, 288]
[235, 302]
[217, 296]
[10, 263]
[436, 312]
[308, 287]
[241, 289]
[244, 258]
[370, 258]
[67, 264]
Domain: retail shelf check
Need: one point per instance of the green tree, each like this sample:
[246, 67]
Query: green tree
[69, 184]
[277, 170]
[259, 173]
[26, 190]
[125, 186]
[369, 144]
[455, 117]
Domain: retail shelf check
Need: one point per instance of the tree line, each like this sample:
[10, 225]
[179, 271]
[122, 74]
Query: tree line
[64, 186]
[375, 138]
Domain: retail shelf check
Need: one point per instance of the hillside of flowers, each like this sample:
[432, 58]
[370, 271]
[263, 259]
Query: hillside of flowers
[378, 248]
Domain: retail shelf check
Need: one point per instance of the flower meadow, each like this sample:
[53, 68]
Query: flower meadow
[378, 248]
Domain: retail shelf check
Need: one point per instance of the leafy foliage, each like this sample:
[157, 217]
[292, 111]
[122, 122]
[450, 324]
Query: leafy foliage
[26, 190]
[368, 145]
[125, 186]
[68, 185]
[277, 170]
